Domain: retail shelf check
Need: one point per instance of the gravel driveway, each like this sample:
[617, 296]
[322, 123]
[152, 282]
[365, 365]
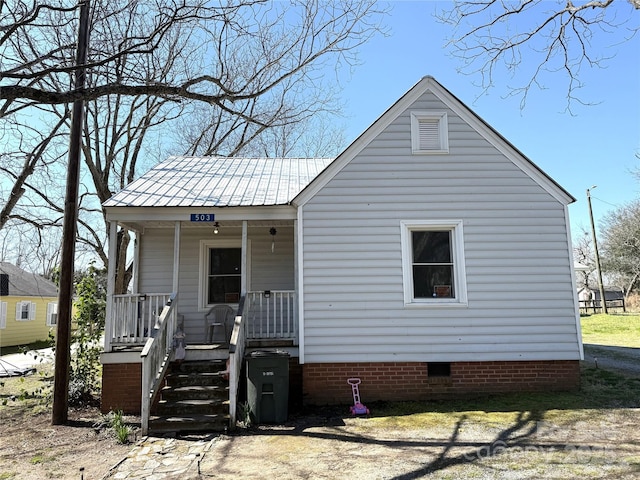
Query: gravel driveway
[623, 359]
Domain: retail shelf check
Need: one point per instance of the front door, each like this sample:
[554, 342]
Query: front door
[224, 275]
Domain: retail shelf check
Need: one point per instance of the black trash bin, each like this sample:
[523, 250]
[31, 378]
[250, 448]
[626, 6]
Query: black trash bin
[268, 386]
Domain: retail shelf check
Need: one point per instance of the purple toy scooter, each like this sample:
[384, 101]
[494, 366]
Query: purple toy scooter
[357, 408]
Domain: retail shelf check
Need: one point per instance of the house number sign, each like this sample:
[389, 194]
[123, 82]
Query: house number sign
[203, 217]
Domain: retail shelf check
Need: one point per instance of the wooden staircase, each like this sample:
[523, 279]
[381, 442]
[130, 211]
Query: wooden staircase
[195, 398]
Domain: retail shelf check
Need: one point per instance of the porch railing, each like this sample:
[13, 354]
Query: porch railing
[236, 356]
[133, 317]
[271, 314]
[155, 358]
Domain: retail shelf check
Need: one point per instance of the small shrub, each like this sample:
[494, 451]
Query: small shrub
[245, 414]
[122, 433]
[115, 422]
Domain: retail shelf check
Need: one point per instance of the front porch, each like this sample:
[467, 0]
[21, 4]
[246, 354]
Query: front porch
[197, 268]
[269, 317]
[143, 338]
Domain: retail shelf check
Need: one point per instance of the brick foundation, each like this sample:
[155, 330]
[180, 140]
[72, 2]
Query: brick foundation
[326, 383]
[121, 387]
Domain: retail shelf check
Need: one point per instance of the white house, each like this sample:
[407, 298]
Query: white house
[431, 258]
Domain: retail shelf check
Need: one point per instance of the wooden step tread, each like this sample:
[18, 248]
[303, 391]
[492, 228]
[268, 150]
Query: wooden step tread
[194, 402]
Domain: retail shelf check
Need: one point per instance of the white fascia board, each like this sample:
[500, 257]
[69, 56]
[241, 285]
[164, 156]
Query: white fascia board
[120, 357]
[183, 214]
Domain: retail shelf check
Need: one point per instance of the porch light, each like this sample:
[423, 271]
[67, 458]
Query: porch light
[272, 232]
[216, 228]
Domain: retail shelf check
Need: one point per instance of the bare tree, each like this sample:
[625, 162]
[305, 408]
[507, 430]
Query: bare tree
[252, 47]
[621, 245]
[238, 69]
[532, 38]
[584, 254]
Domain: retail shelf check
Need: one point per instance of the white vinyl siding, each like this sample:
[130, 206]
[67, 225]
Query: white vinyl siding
[52, 314]
[520, 300]
[25, 311]
[3, 315]
[429, 132]
[267, 270]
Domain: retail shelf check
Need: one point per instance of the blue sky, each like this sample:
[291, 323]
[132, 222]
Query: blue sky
[594, 146]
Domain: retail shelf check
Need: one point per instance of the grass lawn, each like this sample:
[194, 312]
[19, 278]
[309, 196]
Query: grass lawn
[621, 330]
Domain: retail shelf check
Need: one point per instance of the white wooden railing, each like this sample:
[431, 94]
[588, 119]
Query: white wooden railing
[155, 358]
[133, 317]
[236, 357]
[271, 314]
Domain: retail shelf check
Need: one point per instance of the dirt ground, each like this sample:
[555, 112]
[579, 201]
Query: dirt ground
[329, 443]
[594, 445]
[32, 449]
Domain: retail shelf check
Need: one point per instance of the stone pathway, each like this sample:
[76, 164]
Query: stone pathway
[163, 458]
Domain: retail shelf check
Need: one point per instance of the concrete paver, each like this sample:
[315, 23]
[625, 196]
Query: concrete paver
[154, 458]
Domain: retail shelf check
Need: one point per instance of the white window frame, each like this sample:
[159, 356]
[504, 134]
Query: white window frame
[52, 309]
[31, 309]
[205, 246]
[459, 273]
[442, 124]
[3, 315]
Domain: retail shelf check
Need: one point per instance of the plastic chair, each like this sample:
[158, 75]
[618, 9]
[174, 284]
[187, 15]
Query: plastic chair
[217, 316]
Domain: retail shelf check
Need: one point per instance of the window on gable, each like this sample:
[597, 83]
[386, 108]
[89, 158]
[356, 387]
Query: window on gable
[25, 311]
[52, 314]
[429, 132]
[433, 263]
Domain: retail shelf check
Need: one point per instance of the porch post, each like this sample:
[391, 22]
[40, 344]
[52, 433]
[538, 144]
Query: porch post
[136, 263]
[111, 284]
[298, 241]
[176, 257]
[243, 260]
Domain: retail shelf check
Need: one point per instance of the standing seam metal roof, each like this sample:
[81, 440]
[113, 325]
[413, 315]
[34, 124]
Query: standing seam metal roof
[220, 182]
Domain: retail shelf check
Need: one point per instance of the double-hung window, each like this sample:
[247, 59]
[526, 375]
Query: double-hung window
[433, 263]
[52, 314]
[25, 311]
[3, 315]
[220, 272]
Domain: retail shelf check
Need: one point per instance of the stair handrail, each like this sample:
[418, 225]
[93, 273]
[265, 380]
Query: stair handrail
[236, 356]
[155, 358]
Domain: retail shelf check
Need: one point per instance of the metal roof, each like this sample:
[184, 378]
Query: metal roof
[26, 284]
[220, 182]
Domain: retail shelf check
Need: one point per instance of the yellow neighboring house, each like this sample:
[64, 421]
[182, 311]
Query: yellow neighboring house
[28, 306]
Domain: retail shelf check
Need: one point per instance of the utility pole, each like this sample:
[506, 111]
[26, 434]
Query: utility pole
[69, 232]
[603, 302]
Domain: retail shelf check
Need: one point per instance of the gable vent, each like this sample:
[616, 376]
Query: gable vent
[429, 134]
[4, 284]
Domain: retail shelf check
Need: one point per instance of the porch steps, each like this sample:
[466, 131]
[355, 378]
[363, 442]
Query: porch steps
[195, 398]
